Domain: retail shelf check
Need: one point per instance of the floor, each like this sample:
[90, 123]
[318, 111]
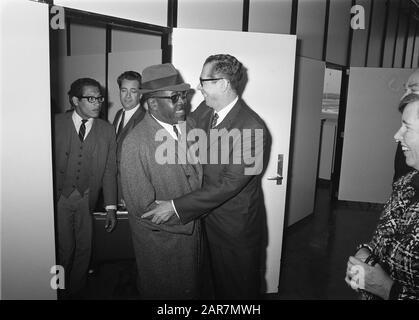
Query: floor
[314, 255]
[316, 249]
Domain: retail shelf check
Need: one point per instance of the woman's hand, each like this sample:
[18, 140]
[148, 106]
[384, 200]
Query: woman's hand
[370, 278]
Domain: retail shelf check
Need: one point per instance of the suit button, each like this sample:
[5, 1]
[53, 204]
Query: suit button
[66, 154]
[77, 178]
[62, 171]
[79, 163]
[188, 176]
[79, 155]
[74, 186]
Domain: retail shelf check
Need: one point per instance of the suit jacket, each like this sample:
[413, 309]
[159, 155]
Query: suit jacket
[103, 158]
[133, 121]
[232, 198]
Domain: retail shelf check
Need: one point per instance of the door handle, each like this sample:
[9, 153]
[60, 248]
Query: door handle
[279, 176]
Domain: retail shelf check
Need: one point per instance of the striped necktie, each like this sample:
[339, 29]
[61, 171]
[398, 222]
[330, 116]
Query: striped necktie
[82, 130]
[214, 120]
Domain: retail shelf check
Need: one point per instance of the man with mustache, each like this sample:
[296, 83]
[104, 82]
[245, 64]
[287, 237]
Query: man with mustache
[167, 255]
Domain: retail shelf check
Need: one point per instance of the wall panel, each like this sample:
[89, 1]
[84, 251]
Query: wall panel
[376, 35]
[270, 16]
[310, 28]
[148, 11]
[391, 34]
[338, 31]
[215, 14]
[360, 38]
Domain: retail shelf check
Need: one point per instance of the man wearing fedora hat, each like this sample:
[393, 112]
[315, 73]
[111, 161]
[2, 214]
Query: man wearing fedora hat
[230, 200]
[167, 255]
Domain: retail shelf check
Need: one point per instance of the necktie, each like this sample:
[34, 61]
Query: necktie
[121, 124]
[82, 129]
[214, 120]
[176, 130]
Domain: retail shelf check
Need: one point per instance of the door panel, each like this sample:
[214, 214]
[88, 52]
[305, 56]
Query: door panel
[306, 138]
[269, 60]
[371, 121]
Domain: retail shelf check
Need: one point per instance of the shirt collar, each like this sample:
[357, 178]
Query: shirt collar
[224, 111]
[130, 112]
[168, 127]
[77, 119]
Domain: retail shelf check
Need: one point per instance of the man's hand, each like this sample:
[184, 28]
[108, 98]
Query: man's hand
[110, 220]
[161, 213]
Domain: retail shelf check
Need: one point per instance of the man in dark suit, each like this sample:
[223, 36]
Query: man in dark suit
[231, 194]
[85, 163]
[167, 255]
[128, 116]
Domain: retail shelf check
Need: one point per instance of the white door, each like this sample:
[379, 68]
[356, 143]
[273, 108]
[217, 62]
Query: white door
[269, 60]
[27, 212]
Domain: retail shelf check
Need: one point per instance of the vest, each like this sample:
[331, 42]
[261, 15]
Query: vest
[78, 164]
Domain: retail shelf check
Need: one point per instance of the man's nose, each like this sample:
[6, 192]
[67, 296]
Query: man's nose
[398, 136]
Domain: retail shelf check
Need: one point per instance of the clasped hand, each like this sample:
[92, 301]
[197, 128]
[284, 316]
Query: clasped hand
[161, 213]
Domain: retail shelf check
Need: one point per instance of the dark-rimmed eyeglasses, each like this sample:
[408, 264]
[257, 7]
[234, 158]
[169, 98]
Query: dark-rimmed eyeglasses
[92, 99]
[174, 97]
[201, 81]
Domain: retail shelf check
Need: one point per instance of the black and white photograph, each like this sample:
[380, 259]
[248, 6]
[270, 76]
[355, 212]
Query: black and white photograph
[211, 157]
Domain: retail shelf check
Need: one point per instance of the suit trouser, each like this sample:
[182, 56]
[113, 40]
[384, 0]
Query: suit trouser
[74, 225]
[236, 272]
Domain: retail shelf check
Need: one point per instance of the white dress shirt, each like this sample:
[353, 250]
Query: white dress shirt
[128, 115]
[224, 111]
[77, 123]
[168, 127]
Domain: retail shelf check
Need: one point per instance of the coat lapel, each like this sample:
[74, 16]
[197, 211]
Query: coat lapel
[227, 123]
[136, 117]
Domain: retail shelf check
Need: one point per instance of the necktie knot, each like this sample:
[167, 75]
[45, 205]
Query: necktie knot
[214, 120]
[82, 130]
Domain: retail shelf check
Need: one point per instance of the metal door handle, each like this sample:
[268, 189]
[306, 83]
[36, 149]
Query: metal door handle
[279, 176]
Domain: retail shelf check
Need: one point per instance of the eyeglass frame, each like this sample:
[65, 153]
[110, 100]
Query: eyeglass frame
[174, 97]
[209, 79]
[92, 99]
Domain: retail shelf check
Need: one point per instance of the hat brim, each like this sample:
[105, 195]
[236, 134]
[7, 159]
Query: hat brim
[178, 87]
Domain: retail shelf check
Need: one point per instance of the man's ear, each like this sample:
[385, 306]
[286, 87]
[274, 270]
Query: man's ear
[75, 101]
[225, 84]
[152, 104]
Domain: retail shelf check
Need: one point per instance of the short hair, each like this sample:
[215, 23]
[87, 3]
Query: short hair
[129, 75]
[227, 66]
[76, 88]
[411, 97]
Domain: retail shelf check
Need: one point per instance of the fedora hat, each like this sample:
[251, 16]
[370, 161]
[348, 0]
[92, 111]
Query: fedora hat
[162, 77]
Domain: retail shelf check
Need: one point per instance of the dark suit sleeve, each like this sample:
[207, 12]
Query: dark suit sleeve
[109, 181]
[232, 178]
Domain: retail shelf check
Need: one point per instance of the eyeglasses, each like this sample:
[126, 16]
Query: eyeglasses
[92, 99]
[201, 81]
[175, 97]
